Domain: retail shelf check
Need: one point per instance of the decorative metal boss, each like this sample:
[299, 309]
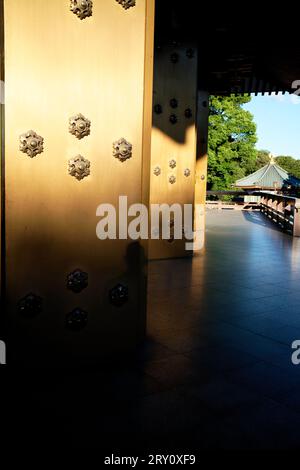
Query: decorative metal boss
[31, 143]
[77, 319]
[187, 172]
[82, 8]
[79, 167]
[158, 108]
[79, 126]
[118, 295]
[77, 281]
[172, 163]
[173, 119]
[157, 171]
[174, 103]
[30, 306]
[122, 149]
[126, 3]
[172, 179]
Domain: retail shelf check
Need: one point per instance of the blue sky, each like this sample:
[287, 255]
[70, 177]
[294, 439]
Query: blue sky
[278, 123]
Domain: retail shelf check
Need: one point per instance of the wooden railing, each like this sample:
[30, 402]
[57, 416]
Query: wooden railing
[221, 205]
[282, 210]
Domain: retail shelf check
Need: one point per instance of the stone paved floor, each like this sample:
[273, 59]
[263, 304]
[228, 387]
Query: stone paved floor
[216, 369]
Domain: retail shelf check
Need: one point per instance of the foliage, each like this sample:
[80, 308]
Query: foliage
[231, 144]
[232, 138]
[290, 164]
[262, 159]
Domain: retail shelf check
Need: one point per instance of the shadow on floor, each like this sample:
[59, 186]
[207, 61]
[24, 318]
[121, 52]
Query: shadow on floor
[257, 218]
[214, 373]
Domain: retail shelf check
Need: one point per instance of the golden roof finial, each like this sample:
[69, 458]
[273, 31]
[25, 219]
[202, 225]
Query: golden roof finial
[272, 159]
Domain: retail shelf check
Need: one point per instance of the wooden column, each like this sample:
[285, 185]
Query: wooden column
[201, 168]
[2, 169]
[280, 212]
[173, 151]
[296, 227]
[57, 66]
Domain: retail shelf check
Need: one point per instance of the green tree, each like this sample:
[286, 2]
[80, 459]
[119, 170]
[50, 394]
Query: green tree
[290, 164]
[232, 138]
[262, 159]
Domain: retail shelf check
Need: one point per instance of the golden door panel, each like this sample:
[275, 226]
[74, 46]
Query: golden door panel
[73, 80]
[173, 150]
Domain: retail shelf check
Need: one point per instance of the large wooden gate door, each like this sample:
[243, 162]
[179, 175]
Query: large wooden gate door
[78, 123]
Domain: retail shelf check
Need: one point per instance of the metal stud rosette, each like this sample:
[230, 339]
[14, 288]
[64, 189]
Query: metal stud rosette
[79, 126]
[31, 143]
[77, 281]
[82, 8]
[172, 163]
[30, 306]
[77, 319]
[126, 4]
[79, 167]
[122, 149]
[118, 295]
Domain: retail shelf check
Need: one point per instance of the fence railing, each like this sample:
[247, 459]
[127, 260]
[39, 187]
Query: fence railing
[221, 205]
[282, 210]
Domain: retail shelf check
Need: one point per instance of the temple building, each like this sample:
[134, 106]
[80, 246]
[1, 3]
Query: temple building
[270, 177]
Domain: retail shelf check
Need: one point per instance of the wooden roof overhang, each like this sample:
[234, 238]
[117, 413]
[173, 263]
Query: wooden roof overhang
[242, 47]
[259, 188]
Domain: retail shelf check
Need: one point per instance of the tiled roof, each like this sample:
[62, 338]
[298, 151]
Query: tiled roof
[269, 176]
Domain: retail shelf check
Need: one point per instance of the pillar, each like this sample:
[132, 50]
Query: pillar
[77, 134]
[201, 168]
[173, 151]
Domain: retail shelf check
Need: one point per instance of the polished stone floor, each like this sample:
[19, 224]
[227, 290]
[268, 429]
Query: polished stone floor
[216, 369]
